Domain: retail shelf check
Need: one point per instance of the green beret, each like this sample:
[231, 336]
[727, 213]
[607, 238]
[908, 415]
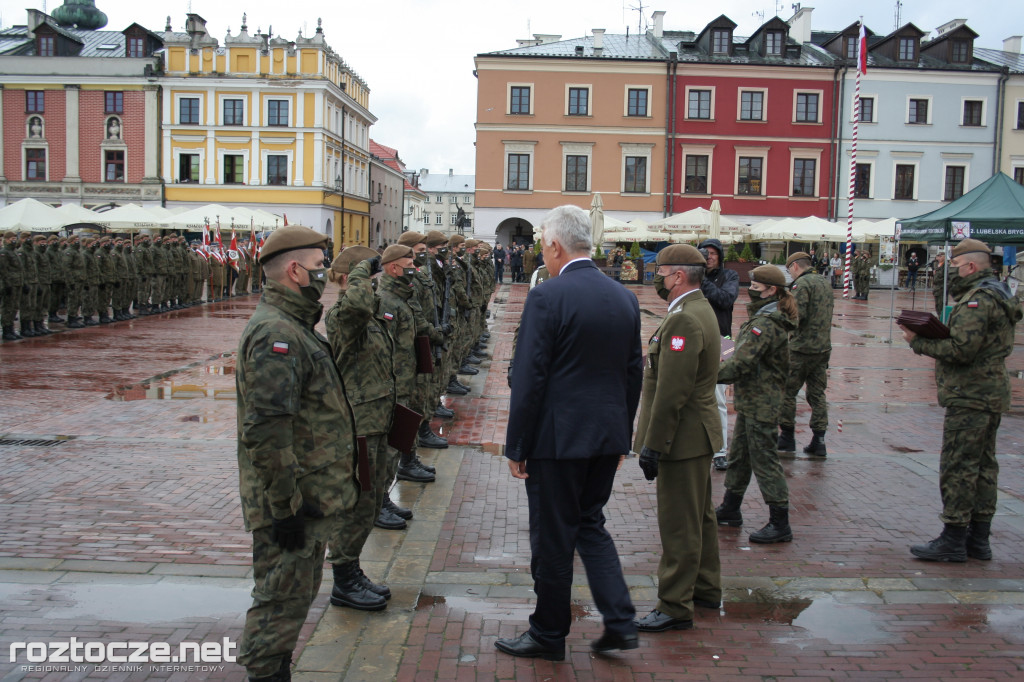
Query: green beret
[680, 254]
[970, 246]
[797, 256]
[470, 243]
[291, 238]
[455, 240]
[351, 257]
[768, 274]
[394, 252]
[411, 238]
[435, 238]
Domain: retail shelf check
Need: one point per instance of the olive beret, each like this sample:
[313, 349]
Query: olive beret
[411, 238]
[680, 254]
[39, 238]
[10, 234]
[394, 252]
[768, 274]
[456, 239]
[291, 238]
[435, 238]
[470, 243]
[351, 257]
[970, 246]
[797, 256]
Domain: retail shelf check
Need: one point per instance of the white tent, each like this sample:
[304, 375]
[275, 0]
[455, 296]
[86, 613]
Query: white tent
[810, 229]
[75, 214]
[699, 221]
[29, 215]
[129, 218]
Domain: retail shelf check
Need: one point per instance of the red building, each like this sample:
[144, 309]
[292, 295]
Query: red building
[753, 122]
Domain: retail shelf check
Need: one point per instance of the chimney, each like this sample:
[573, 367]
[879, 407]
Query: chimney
[598, 41]
[800, 25]
[424, 172]
[450, 171]
[1012, 44]
[659, 24]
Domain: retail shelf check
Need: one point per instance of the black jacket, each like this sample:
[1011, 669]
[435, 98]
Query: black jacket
[720, 287]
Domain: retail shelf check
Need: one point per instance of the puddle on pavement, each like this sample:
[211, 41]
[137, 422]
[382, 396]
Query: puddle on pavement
[488, 607]
[197, 382]
[162, 602]
[820, 618]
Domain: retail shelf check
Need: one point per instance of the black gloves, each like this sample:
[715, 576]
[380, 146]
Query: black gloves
[290, 533]
[374, 265]
[446, 328]
[649, 462]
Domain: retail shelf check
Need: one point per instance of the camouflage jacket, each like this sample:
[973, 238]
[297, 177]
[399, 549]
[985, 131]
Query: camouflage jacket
[759, 366]
[120, 264]
[72, 263]
[678, 411]
[478, 287]
[939, 280]
[28, 264]
[296, 432]
[363, 352]
[860, 267]
[400, 322]
[195, 266]
[12, 272]
[42, 260]
[460, 284]
[158, 259]
[970, 365]
[54, 254]
[108, 265]
[814, 300]
[144, 261]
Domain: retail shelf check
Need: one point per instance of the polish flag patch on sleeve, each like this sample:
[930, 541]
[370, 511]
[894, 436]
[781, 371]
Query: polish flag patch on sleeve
[388, 316]
[280, 347]
[972, 304]
[755, 331]
[677, 343]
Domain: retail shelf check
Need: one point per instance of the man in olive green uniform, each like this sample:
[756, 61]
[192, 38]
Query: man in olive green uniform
[809, 350]
[363, 353]
[93, 280]
[940, 290]
[460, 287]
[73, 267]
[45, 280]
[144, 260]
[242, 283]
[158, 266]
[970, 372]
[296, 450]
[108, 277]
[121, 298]
[54, 249]
[677, 433]
[217, 267]
[12, 273]
[861, 268]
[29, 307]
[440, 270]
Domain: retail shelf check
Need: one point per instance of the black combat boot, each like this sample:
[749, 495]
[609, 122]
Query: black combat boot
[349, 590]
[389, 521]
[728, 513]
[777, 529]
[816, 448]
[380, 589]
[53, 319]
[455, 388]
[429, 439]
[41, 329]
[466, 369]
[26, 330]
[472, 360]
[419, 462]
[977, 540]
[9, 334]
[104, 318]
[89, 322]
[283, 674]
[786, 443]
[408, 470]
[443, 412]
[951, 545]
[401, 512]
[75, 323]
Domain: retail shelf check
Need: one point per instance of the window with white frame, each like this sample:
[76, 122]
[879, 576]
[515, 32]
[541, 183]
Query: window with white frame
[752, 105]
[973, 113]
[1020, 115]
[578, 100]
[575, 173]
[905, 182]
[806, 107]
[697, 167]
[750, 172]
[520, 100]
[862, 181]
[867, 110]
[277, 112]
[234, 112]
[188, 110]
[636, 165]
[907, 49]
[234, 169]
[637, 101]
[918, 110]
[699, 104]
[954, 185]
[804, 176]
[188, 168]
[773, 43]
[277, 169]
[518, 166]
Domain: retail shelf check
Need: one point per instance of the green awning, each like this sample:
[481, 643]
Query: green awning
[992, 212]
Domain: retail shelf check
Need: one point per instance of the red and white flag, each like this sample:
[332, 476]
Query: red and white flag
[862, 51]
[233, 249]
[220, 242]
[206, 234]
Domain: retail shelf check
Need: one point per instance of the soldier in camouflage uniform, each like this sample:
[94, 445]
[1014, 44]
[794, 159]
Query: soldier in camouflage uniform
[759, 368]
[54, 249]
[45, 279]
[861, 268]
[460, 288]
[939, 287]
[296, 450]
[158, 265]
[121, 297]
[184, 273]
[970, 372]
[144, 279]
[93, 278]
[29, 308]
[440, 271]
[809, 350]
[73, 266]
[363, 353]
[12, 276]
[108, 277]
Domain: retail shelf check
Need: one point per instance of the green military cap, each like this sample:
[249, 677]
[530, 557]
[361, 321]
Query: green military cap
[412, 238]
[485, 246]
[455, 240]
[39, 238]
[10, 234]
[797, 256]
[970, 246]
[435, 238]
[291, 238]
[470, 243]
[768, 274]
[351, 257]
[680, 254]
[394, 252]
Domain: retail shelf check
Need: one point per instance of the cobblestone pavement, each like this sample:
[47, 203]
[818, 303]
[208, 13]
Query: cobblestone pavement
[119, 520]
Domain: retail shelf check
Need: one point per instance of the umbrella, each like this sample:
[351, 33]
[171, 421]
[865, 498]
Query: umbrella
[716, 220]
[597, 219]
[699, 220]
[77, 215]
[29, 215]
[129, 217]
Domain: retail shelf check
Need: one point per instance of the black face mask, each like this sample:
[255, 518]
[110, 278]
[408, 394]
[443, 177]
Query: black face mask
[317, 282]
[441, 253]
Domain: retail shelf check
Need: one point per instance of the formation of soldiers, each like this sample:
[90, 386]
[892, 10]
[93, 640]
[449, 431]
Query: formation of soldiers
[99, 279]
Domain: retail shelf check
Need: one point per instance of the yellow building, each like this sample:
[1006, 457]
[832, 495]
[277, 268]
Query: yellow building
[266, 122]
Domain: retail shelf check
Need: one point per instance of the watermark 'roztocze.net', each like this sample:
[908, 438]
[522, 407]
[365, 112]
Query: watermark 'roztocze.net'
[76, 651]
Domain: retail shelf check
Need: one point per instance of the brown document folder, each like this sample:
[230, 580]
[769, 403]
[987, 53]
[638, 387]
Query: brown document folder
[923, 324]
[424, 358]
[363, 465]
[405, 425]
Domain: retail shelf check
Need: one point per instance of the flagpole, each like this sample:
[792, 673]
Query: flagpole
[862, 59]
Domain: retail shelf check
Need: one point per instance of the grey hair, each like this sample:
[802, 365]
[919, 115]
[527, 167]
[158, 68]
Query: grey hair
[694, 273]
[570, 226]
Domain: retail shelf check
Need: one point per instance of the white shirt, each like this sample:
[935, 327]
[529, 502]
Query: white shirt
[681, 297]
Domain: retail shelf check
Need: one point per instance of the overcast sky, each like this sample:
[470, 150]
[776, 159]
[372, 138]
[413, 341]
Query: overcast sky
[417, 55]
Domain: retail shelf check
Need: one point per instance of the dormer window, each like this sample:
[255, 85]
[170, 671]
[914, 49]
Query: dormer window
[47, 46]
[720, 41]
[852, 45]
[959, 51]
[908, 50]
[136, 47]
[773, 43]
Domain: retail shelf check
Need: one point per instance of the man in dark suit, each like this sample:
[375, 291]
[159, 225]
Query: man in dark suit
[574, 395]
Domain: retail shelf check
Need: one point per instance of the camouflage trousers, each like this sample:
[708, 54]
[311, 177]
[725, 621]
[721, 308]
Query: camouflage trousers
[351, 530]
[286, 584]
[42, 308]
[28, 303]
[810, 369]
[753, 451]
[862, 285]
[156, 290]
[968, 471]
[940, 304]
[10, 306]
[56, 297]
[74, 303]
